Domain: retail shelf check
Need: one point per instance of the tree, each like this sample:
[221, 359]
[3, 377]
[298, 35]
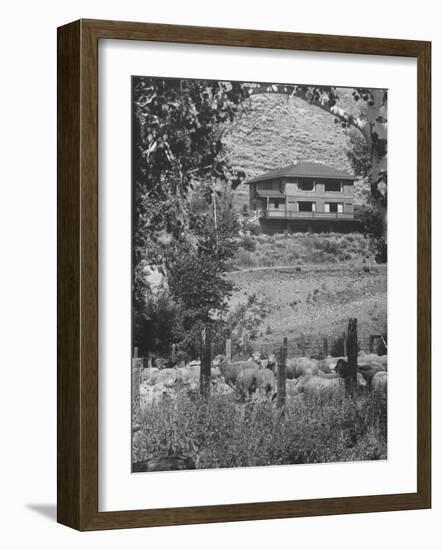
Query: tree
[371, 123]
[243, 323]
[372, 225]
[370, 217]
[196, 264]
[178, 130]
[369, 152]
[177, 133]
[359, 154]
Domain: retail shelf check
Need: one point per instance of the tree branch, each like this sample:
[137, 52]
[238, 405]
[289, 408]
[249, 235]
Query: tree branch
[321, 98]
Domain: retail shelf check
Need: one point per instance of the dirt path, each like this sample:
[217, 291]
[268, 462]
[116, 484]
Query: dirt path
[308, 267]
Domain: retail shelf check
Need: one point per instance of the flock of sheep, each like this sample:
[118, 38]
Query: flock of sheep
[257, 376]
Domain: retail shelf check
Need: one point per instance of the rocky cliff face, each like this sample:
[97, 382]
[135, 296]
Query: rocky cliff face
[278, 131]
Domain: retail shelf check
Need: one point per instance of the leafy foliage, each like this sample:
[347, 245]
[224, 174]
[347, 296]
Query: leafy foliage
[242, 324]
[370, 123]
[373, 225]
[359, 154]
[302, 248]
[178, 128]
[224, 433]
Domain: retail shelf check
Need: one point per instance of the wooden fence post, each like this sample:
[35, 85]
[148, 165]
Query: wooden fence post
[206, 361]
[173, 354]
[229, 350]
[302, 344]
[352, 358]
[325, 346]
[281, 375]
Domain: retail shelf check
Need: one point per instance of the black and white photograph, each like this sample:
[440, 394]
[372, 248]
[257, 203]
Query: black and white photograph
[218, 275]
[259, 274]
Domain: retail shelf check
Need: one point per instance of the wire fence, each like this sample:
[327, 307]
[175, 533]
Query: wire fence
[315, 346]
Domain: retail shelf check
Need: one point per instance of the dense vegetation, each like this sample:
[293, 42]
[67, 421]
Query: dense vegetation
[182, 217]
[226, 433]
[301, 248]
[194, 142]
[277, 132]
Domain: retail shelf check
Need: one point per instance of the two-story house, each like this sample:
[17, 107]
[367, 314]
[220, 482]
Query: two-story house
[306, 196]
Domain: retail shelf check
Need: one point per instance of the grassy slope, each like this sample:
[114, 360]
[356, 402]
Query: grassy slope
[332, 284]
[317, 300]
[302, 248]
[333, 277]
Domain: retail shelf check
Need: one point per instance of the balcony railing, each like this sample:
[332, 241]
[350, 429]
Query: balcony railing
[281, 213]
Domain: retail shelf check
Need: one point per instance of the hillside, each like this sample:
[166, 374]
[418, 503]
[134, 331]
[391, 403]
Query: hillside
[332, 277]
[302, 248]
[277, 131]
[316, 301]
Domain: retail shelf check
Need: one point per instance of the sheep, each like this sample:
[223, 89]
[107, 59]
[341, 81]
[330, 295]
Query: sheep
[245, 376]
[230, 371]
[379, 382]
[254, 378]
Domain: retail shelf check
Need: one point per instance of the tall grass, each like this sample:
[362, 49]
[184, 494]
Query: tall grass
[225, 433]
[325, 248]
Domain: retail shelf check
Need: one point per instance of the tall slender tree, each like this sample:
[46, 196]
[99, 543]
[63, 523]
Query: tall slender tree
[178, 130]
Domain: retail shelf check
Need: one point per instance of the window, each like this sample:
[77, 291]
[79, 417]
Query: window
[334, 207]
[305, 184]
[266, 186]
[306, 206]
[276, 203]
[333, 185]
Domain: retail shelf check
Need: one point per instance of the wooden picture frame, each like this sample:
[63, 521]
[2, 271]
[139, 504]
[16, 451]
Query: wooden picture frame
[77, 461]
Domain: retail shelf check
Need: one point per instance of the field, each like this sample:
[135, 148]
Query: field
[210, 389]
[312, 285]
[333, 278]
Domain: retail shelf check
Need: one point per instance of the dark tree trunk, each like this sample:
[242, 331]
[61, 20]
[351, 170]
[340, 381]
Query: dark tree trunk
[206, 360]
[281, 375]
[352, 358]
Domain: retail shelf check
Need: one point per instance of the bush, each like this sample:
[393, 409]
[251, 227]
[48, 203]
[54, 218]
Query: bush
[330, 248]
[244, 258]
[248, 243]
[253, 228]
[372, 225]
[225, 432]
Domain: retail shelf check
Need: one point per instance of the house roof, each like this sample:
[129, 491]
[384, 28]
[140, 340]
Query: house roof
[270, 193]
[303, 170]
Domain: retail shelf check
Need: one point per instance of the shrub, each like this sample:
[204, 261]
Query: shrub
[248, 243]
[244, 258]
[372, 225]
[226, 432]
[253, 228]
[278, 249]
